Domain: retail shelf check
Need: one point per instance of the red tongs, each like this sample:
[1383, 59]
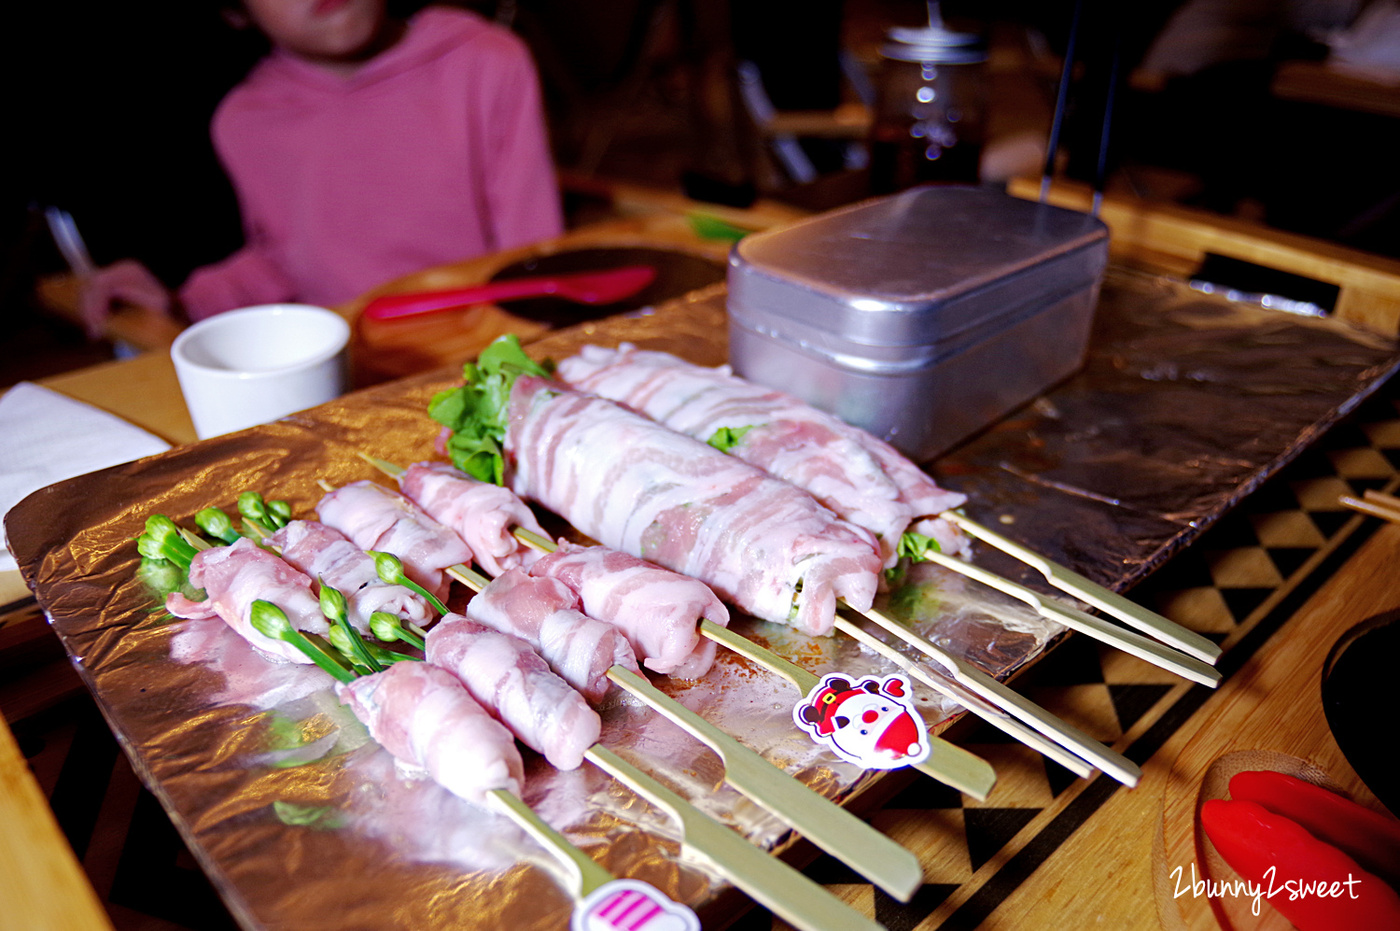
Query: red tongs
[585, 287]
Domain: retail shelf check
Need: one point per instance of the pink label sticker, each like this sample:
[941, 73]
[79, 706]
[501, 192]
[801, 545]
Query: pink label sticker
[871, 722]
[631, 905]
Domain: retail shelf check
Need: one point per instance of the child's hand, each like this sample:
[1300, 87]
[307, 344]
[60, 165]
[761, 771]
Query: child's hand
[126, 281]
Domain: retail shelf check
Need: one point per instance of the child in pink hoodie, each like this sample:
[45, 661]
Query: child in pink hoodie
[362, 149]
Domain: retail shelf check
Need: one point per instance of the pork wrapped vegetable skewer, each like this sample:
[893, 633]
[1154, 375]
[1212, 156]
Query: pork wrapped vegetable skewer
[481, 513]
[658, 610]
[857, 475]
[423, 715]
[234, 577]
[636, 486]
[324, 553]
[833, 460]
[544, 613]
[375, 518]
[504, 674]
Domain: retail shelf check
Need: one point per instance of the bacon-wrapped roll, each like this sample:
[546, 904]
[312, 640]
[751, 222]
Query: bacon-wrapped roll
[510, 679]
[859, 476]
[375, 518]
[482, 514]
[544, 613]
[656, 609]
[632, 484]
[326, 554]
[426, 718]
[235, 576]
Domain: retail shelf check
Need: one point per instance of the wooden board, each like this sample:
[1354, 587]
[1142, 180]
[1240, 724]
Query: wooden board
[1269, 717]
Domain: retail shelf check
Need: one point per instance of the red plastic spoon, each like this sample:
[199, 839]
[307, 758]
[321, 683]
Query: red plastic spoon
[585, 287]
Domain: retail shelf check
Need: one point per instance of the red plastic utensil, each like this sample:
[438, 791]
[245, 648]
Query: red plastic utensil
[585, 287]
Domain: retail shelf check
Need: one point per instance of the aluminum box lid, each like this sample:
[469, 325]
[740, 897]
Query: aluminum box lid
[913, 268]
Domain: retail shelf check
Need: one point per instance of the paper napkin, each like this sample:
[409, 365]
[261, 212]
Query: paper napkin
[46, 438]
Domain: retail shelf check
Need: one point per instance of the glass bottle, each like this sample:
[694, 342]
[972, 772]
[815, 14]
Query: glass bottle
[928, 121]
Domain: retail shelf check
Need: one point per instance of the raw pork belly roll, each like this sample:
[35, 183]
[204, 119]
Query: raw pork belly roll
[375, 518]
[657, 609]
[635, 485]
[859, 476]
[508, 677]
[544, 613]
[482, 514]
[426, 718]
[233, 577]
[324, 553]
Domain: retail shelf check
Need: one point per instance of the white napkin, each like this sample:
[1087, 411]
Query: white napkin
[46, 438]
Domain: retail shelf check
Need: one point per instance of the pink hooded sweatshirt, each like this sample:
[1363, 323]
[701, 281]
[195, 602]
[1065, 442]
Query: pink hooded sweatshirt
[435, 151]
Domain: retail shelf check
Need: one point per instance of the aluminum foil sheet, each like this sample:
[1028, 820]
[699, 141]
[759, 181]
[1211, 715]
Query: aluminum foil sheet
[302, 822]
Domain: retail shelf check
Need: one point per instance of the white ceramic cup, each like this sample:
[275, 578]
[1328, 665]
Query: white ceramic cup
[256, 364]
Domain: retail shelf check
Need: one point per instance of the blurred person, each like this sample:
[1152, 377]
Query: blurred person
[364, 147]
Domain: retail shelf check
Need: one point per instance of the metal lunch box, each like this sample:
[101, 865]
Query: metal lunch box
[923, 316]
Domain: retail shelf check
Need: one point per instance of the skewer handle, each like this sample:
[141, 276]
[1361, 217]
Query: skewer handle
[820, 820]
[983, 685]
[1372, 508]
[388, 468]
[585, 873]
[947, 762]
[974, 703]
[1381, 498]
[767, 880]
[1151, 651]
[1111, 603]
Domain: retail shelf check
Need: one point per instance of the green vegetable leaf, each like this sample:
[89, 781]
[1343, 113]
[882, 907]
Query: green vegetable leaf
[479, 457]
[726, 438]
[914, 545]
[477, 413]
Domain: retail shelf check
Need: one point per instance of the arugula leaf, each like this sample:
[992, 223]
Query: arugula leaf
[477, 413]
[915, 545]
[726, 438]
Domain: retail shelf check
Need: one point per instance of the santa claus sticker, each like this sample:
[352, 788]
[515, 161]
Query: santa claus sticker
[870, 722]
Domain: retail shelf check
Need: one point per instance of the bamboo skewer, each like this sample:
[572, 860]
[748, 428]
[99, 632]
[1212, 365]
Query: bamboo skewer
[985, 686]
[1374, 504]
[823, 822]
[1381, 498]
[1152, 651]
[1111, 603]
[954, 766]
[764, 878]
[989, 711]
[585, 874]
[805, 681]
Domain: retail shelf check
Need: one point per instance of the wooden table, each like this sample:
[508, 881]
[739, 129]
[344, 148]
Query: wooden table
[1112, 864]
[1319, 83]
